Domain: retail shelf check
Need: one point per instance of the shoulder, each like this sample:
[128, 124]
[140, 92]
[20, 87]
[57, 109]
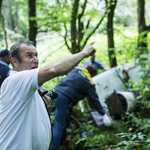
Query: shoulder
[24, 72]
[26, 78]
[4, 70]
[4, 67]
[99, 64]
[97, 61]
[24, 75]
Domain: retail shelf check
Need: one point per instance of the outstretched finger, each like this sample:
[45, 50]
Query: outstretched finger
[92, 43]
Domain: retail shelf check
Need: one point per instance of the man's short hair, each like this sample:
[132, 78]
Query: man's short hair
[14, 50]
[92, 69]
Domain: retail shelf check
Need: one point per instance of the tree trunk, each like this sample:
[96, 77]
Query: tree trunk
[1, 6]
[2, 22]
[111, 5]
[78, 27]
[73, 26]
[32, 21]
[142, 30]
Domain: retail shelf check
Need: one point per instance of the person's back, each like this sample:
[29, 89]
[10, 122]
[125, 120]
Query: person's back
[75, 84]
[4, 68]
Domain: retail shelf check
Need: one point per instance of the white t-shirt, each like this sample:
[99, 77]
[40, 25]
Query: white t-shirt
[24, 122]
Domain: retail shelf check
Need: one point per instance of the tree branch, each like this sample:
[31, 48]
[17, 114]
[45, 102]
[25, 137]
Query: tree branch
[93, 31]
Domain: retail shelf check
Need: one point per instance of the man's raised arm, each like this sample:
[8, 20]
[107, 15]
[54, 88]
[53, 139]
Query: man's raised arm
[64, 65]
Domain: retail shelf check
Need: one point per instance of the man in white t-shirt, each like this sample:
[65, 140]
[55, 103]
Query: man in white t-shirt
[24, 122]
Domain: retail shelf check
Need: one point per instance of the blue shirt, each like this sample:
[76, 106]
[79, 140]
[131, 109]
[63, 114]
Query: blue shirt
[4, 71]
[97, 63]
[77, 85]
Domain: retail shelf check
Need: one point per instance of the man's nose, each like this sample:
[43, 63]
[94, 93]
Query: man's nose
[35, 58]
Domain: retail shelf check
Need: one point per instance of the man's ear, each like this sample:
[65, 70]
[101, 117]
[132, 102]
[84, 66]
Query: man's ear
[14, 61]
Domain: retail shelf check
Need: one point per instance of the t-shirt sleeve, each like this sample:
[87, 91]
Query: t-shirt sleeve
[23, 83]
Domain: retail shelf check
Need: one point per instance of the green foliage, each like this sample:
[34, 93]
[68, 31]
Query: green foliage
[53, 17]
[120, 135]
[143, 96]
[123, 14]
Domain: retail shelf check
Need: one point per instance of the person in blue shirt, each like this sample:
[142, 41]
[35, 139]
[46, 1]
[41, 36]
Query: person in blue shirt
[76, 86]
[4, 65]
[93, 61]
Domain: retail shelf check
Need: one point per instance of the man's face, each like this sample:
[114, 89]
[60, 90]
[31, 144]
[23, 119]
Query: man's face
[28, 58]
